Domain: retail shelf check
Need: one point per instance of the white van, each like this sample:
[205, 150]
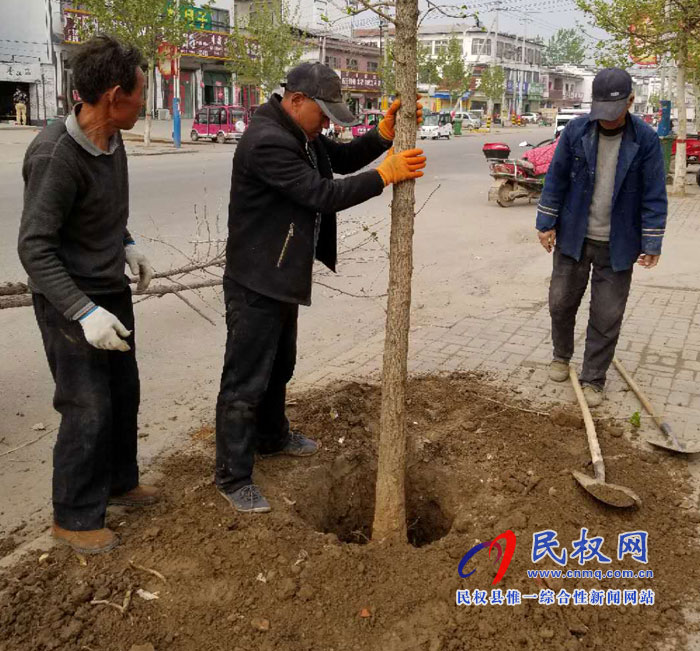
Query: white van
[565, 116]
[435, 126]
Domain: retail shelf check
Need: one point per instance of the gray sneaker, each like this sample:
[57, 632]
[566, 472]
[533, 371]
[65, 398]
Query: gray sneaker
[297, 446]
[248, 499]
[558, 370]
[593, 395]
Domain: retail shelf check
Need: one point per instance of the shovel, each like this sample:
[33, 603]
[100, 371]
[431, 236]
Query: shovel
[610, 494]
[671, 442]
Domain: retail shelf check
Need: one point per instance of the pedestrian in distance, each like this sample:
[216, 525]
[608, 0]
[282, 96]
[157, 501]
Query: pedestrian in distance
[282, 216]
[20, 99]
[602, 209]
[74, 245]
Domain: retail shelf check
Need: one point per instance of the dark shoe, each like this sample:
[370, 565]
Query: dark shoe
[95, 541]
[558, 370]
[593, 395]
[140, 496]
[248, 499]
[297, 446]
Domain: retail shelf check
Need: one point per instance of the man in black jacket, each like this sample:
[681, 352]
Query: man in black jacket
[282, 215]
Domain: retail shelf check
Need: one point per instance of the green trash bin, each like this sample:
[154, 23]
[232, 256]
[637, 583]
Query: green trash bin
[667, 148]
[457, 126]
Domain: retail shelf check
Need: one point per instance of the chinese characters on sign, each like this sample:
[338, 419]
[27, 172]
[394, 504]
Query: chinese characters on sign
[360, 81]
[211, 45]
[206, 44]
[547, 597]
[21, 72]
[587, 549]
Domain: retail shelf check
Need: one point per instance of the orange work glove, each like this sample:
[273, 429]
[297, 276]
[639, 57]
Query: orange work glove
[388, 122]
[401, 167]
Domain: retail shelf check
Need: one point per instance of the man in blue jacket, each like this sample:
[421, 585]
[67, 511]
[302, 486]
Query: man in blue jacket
[604, 206]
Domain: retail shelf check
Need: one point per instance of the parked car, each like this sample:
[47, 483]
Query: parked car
[692, 148]
[369, 119]
[435, 126]
[565, 116]
[469, 120]
[530, 118]
[220, 123]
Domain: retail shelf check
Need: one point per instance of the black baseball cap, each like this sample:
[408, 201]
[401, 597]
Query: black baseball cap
[612, 88]
[321, 84]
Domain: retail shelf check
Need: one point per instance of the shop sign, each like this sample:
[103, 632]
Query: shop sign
[212, 45]
[360, 81]
[21, 72]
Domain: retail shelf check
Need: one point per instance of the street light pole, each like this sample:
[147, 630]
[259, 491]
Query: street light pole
[177, 129]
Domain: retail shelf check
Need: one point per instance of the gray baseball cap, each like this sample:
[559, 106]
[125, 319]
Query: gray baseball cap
[321, 84]
[612, 88]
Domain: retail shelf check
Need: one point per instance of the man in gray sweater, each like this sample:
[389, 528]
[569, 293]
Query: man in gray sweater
[74, 244]
[604, 205]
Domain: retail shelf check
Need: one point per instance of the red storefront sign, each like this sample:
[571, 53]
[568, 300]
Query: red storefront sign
[367, 82]
[208, 45]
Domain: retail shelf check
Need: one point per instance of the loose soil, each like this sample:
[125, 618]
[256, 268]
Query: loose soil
[305, 577]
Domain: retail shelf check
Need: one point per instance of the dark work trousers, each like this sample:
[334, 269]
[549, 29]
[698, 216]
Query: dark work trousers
[609, 292]
[97, 394]
[261, 348]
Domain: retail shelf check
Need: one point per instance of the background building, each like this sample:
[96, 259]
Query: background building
[356, 63]
[520, 58]
[27, 59]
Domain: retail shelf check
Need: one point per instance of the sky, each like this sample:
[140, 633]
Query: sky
[531, 17]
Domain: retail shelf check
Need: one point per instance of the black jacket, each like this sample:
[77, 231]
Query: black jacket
[279, 190]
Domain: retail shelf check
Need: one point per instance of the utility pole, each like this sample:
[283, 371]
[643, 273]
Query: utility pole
[177, 132]
[494, 55]
[519, 105]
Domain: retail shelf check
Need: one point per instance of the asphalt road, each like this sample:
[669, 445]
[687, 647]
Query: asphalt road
[467, 252]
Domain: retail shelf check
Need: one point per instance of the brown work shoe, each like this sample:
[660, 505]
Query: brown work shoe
[140, 496]
[95, 541]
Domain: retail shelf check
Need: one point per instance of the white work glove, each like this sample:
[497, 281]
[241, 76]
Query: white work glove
[103, 330]
[139, 265]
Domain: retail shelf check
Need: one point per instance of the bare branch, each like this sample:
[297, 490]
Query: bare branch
[374, 7]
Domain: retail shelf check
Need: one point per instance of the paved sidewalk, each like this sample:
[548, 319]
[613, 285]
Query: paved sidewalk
[659, 346]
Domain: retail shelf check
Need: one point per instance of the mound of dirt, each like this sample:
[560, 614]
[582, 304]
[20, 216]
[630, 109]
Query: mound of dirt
[193, 575]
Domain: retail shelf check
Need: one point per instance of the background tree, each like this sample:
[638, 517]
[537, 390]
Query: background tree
[429, 66]
[565, 46]
[640, 29]
[142, 23]
[264, 45]
[493, 84]
[387, 69]
[454, 72]
[654, 102]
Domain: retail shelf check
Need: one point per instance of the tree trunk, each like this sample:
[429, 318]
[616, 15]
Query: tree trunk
[149, 103]
[678, 188]
[390, 508]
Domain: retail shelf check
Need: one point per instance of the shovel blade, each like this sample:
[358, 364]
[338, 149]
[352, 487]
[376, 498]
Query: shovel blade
[666, 444]
[610, 494]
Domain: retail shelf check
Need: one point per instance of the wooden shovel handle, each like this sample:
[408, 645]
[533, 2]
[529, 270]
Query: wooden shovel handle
[638, 392]
[596, 455]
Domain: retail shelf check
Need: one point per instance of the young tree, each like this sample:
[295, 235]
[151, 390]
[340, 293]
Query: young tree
[142, 23]
[493, 83]
[390, 509]
[643, 28]
[429, 67]
[565, 46]
[264, 45]
[387, 70]
[454, 72]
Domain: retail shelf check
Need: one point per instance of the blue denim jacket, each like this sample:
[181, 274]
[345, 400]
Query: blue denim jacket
[639, 203]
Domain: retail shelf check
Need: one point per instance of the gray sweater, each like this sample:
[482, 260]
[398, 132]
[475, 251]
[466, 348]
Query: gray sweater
[73, 229]
[601, 203]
